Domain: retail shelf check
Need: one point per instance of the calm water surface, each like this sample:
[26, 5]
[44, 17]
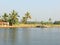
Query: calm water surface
[29, 36]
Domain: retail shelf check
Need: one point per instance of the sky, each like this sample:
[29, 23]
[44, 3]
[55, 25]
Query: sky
[40, 10]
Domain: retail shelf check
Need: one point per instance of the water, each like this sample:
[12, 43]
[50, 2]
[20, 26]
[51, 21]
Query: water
[29, 36]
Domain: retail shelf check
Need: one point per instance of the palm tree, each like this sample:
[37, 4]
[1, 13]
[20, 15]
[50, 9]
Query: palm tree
[50, 20]
[13, 17]
[26, 17]
[24, 20]
[5, 17]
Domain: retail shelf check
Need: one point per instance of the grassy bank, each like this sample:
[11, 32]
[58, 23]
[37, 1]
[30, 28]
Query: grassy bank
[29, 26]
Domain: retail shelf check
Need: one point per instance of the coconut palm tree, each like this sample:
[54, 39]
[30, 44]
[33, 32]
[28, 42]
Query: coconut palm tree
[26, 17]
[24, 20]
[13, 17]
[50, 20]
[5, 17]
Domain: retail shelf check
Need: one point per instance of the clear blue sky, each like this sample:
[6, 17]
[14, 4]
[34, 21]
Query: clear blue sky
[39, 9]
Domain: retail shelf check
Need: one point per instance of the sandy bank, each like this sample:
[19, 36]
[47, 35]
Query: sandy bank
[29, 26]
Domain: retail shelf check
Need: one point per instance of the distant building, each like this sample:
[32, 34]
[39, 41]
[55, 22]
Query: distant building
[3, 23]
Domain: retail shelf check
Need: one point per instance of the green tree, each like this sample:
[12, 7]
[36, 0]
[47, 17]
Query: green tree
[5, 17]
[57, 22]
[26, 17]
[42, 22]
[50, 21]
[13, 17]
[24, 20]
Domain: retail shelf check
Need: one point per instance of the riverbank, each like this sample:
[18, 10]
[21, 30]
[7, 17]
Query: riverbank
[29, 26]
[19, 26]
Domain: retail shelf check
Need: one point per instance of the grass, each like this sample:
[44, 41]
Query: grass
[30, 25]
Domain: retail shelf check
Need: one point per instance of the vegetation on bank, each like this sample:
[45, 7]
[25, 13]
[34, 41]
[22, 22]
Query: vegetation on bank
[13, 18]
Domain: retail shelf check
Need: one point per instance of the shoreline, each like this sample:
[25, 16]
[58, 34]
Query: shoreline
[29, 26]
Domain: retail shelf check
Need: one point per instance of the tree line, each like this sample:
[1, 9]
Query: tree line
[13, 17]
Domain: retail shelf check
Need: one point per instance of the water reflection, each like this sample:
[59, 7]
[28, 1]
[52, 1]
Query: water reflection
[10, 36]
[29, 36]
[26, 36]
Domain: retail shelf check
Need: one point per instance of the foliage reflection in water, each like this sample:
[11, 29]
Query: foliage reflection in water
[29, 36]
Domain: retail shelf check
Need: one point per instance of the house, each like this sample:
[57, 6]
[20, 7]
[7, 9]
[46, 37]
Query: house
[4, 23]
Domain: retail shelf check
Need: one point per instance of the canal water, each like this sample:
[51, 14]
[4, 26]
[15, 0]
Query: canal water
[29, 36]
